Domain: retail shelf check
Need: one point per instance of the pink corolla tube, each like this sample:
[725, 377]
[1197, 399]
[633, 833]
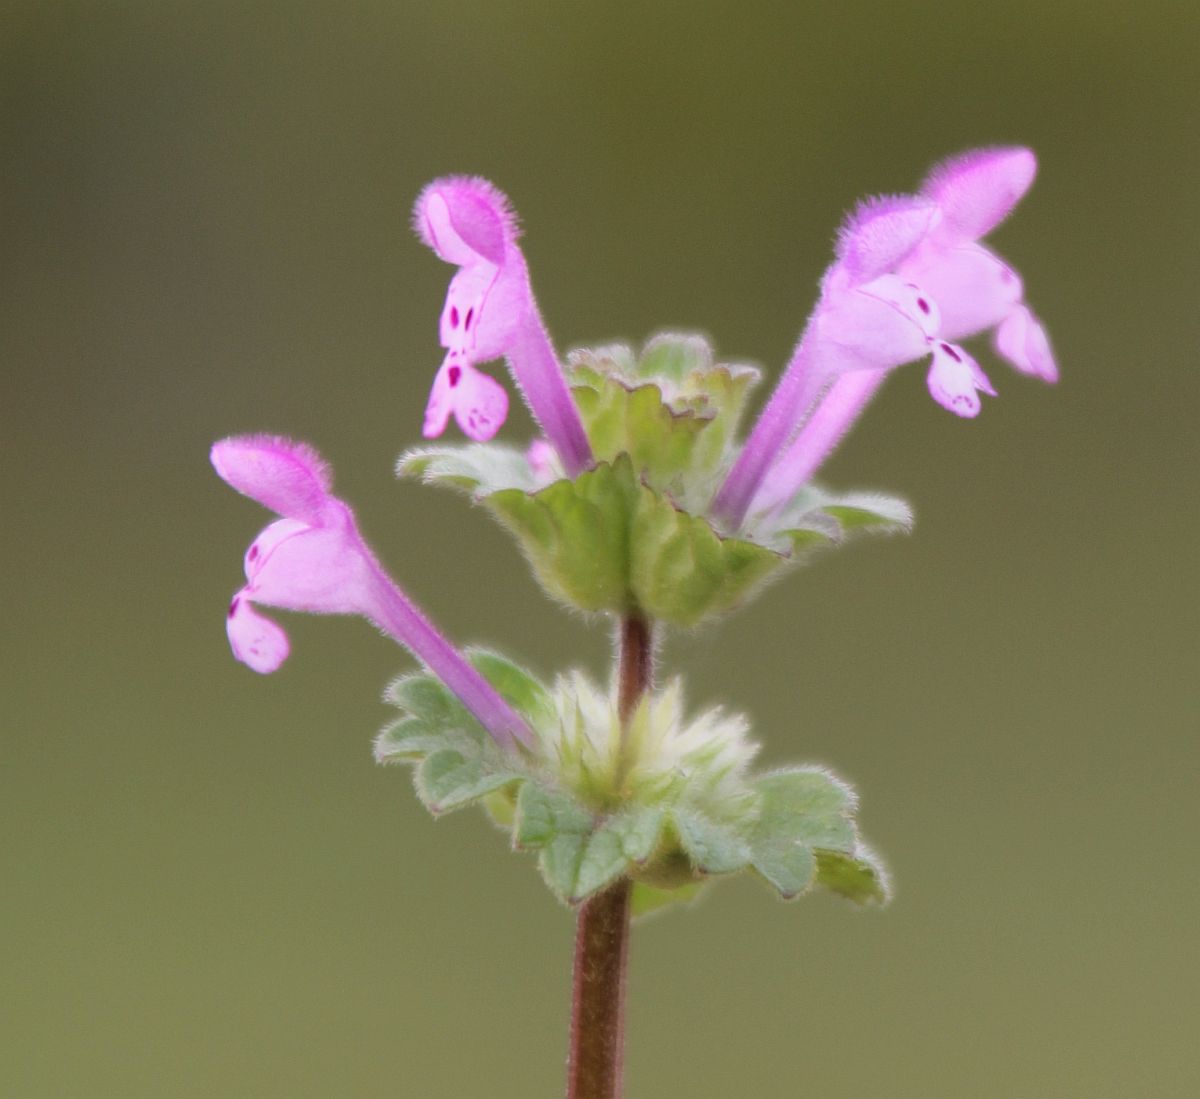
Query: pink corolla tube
[867, 318]
[490, 312]
[313, 559]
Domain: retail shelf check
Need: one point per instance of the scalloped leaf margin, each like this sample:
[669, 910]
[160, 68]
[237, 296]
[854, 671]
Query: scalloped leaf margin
[799, 833]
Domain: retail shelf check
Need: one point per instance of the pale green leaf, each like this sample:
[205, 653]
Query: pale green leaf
[407, 739]
[579, 852]
[476, 468]
[675, 356]
[859, 877]
[786, 863]
[424, 698]
[799, 809]
[526, 694]
[601, 862]
[712, 846]
[607, 542]
[637, 829]
[648, 899]
[446, 780]
[543, 814]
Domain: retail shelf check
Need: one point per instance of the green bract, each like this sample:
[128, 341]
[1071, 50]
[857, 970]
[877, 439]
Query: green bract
[668, 801]
[632, 535]
[673, 411]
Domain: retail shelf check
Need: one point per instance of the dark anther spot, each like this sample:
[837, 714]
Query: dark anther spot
[455, 376]
[467, 321]
[253, 551]
[952, 353]
[233, 606]
[453, 316]
[923, 305]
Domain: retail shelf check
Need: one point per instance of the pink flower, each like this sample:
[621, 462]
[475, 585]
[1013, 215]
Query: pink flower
[867, 318]
[900, 289]
[490, 312]
[314, 559]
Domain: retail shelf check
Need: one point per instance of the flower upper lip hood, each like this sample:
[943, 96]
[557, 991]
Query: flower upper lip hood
[468, 222]
[490, 312]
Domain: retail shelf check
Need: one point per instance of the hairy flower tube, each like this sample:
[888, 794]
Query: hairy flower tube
[314, 559]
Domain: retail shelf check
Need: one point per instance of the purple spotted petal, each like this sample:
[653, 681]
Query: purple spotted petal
[478, 402]
[973, 287]
[256, 641]
[883, 323]
[264, 545]
[440, 405]
[955, 380]
[321, 564]
[466, 316]
[877, 325]
[322, 570]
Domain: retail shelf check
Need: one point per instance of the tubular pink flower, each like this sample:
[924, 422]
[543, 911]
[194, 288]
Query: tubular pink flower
[866, 319]
[314, 559]
[490, 312]
[945, 284]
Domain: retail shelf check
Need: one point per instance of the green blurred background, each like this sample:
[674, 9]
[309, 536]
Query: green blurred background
[210, 889]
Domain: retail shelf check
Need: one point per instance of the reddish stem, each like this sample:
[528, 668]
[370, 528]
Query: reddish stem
[595, 1066]
[596, 1060]
[636, 670]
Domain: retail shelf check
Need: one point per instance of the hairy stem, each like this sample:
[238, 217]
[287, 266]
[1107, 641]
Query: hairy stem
[596, 1061]
[636, 669]
[596, 1058]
